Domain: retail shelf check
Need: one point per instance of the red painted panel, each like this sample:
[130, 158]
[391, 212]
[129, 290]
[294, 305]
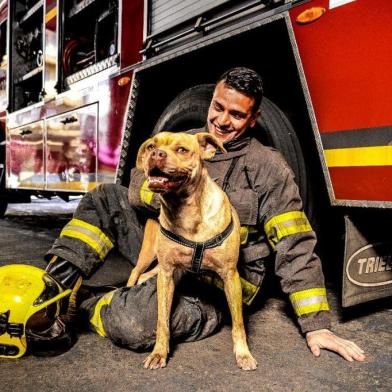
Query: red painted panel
[131, 32]
[347, 59]
[365, 183]
[113, 106]
[50, 4]
[4, 12]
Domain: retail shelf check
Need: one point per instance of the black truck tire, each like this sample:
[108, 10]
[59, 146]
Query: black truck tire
[189, 110]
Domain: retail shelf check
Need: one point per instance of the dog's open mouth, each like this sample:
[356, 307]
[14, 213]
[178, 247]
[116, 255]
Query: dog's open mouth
[162, 181]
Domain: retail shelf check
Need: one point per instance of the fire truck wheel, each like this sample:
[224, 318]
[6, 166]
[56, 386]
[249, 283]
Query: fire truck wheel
[189, 110]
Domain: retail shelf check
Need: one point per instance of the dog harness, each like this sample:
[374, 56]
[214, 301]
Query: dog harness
[199, 247]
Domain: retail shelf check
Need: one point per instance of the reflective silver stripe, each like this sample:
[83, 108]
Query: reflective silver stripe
[310, 301]
[285, 224]
[92, 235]
[90, 238]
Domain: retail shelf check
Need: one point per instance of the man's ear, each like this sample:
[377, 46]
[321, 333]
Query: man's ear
[141, 153]
[254, 118]
[208, 144]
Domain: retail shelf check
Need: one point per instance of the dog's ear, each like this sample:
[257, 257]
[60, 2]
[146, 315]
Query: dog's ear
[141, 153]
[208, 144]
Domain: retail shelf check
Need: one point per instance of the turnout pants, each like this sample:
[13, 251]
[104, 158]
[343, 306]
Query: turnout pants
[104, 219]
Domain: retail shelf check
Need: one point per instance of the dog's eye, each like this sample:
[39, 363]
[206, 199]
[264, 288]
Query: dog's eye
[150, 147]
[182, 150]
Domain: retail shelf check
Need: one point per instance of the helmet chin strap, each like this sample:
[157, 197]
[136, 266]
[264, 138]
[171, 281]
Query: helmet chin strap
[60, 336]
[70, 316]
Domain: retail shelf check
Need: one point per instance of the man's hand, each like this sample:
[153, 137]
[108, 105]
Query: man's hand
[325, 339]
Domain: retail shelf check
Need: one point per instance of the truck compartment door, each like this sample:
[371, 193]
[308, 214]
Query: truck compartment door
[72, 150]
[26, 157]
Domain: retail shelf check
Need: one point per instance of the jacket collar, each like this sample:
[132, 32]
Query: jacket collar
[234, 148]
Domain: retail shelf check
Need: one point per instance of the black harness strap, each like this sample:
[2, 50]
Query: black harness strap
[199, 247]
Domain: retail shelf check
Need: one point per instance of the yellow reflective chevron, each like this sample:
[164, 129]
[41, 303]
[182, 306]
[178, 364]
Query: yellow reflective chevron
[51, 14]
[145, 194]
[285, 224]
[244, 232]
[90, 235]
[309, 301]
[249, 290]
[359, 156]
[96, 320]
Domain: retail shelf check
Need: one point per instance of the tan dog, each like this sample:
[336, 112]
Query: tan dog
[193, 209]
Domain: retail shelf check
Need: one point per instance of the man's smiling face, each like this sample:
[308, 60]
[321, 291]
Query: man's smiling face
[230, 113]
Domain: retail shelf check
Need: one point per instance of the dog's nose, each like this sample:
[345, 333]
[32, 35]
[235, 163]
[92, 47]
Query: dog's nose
[158, 154]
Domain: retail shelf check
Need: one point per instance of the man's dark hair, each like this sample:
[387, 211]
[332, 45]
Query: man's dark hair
[246, 81]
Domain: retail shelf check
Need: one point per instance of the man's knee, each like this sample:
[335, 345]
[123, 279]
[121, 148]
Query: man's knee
[127, 316]
[131, 317]
[194, 319]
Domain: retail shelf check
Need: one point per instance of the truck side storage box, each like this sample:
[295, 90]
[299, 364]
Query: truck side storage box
[71, 154]
[26, 156]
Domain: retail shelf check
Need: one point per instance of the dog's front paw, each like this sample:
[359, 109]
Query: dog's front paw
[246, 361]
[155, 360]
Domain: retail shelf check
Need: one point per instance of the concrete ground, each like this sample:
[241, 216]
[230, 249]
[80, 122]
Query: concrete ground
[285, 363]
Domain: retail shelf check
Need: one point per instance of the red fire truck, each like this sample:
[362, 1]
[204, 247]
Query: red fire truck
[84, 82]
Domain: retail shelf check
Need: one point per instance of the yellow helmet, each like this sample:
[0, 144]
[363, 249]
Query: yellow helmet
[29, 303]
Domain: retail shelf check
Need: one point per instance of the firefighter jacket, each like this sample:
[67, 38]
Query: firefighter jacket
[262, 189]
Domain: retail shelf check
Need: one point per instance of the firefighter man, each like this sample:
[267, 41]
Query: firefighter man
[261, 187]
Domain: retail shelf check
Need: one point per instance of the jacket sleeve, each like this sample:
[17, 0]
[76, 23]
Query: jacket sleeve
[293, 240]
[139, 196]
